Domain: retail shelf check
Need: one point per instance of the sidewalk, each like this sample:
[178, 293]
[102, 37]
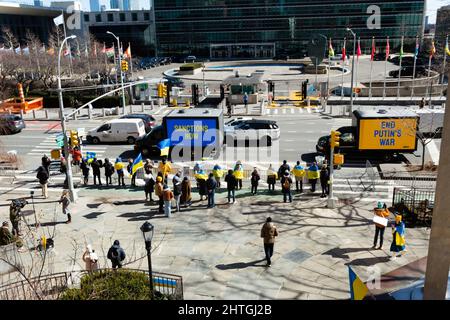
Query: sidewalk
[219, 252]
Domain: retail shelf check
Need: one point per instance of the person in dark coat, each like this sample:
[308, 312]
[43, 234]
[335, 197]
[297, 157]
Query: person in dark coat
[177, 190]
[202, 189]
[42, 175]
[286, 182]
[85, 170]
[96, 165]
[186, 189]
[324, 181]
[149, 185]
[109, 171]
[283, 169]
[211, 185]
[46, 163]
[130, 171]
[231, 181]
[255, 180]
[116, 254]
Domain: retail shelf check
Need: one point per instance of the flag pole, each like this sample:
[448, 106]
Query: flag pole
[86, 51]
[429, 73]
[344, 53]
[416, 53]
[131, 61]
[67, 45]
[443, 67]
[329, 66]
[357, 62]
[385, 68]
[400, 71]
[371, 66]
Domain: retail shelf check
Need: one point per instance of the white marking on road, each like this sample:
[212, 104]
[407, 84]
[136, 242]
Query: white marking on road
[292, 131]
[433, 151]
[292, 112]
[289, 150]
[275, 111]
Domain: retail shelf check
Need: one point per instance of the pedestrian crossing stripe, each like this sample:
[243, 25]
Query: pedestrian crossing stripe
[293, 110]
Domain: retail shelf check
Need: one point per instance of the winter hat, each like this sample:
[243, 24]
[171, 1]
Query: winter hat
[116, 243]
[158, 179]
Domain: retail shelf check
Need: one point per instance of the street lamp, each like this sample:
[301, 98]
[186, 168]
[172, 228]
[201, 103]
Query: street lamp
[353, 68]
[63, 124]
[147, 231]
[120, 68]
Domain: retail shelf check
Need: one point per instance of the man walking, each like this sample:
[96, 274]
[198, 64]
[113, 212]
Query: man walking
[116, 254]
[382, 214]
[211, 185]
[231, 181]
[286, 182]
[268, 233]
[255, 180]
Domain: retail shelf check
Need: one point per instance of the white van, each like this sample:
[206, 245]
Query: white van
[117, 130]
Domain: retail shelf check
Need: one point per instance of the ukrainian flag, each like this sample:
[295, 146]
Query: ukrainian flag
[164, 147]
[358, 289]
[137, 164]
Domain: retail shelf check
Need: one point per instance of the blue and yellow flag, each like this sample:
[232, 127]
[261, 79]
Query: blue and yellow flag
[358, 289]
[164, 147]
[137, 164]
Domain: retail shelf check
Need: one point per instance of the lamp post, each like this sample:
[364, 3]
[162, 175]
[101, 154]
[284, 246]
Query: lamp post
[353, 67]
[63, 124]
[120, 68]
[147, 231]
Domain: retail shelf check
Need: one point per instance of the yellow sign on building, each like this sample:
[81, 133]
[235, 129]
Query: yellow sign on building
[388, 134]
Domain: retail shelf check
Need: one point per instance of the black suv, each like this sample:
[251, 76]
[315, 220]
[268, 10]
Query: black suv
[149, 121]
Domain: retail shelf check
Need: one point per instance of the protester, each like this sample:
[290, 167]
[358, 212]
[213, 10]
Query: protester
[239, 174]
[165, 167]
[218, 173]
[177, 190]
[282, 169]
[159, 193]
[271, 178]
[14, 217]
[119, 166]
[148, 166]
[186, 196]
[149, 185]
[90, 259]
[299, 173]
[211, 186]
[202, 188]
[130, 172]
[245, 99]
[167, 197]
[422, 103]
[116, 254]
[268, 233]
[109, 171]
[313, 175]
[85, 171]
[65, 201]
[286, 182]
[96, 165]
[231, 181]
[398, 237]
[379, 228]
[6, 237]
[254, 180]
[42, 175]
[324, 181]
[76, 156]
[46, 163]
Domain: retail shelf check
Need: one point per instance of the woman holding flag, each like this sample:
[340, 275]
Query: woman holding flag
[398, 236]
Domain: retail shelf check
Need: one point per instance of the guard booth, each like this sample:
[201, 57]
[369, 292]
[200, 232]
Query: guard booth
[239, 85]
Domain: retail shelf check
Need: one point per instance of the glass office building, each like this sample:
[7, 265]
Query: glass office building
[261, 28]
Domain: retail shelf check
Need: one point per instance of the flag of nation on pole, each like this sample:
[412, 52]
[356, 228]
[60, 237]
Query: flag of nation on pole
[401, 50]
[387, 48]
[344, 54]
[59, 20]
[416, 52]
[447, 50]
[372, 55]
[127, 53]
[330, 50]
[433, 49]
[358, 51]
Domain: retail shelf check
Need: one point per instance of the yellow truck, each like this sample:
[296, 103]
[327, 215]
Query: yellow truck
[377, 134]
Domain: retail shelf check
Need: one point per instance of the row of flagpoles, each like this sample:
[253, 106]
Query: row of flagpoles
[372, 57]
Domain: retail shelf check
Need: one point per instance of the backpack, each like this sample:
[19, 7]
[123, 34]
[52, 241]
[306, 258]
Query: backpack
[286, 183]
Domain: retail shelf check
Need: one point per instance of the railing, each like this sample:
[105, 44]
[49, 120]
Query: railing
[422, 180]
[50, 287]
[415, 204]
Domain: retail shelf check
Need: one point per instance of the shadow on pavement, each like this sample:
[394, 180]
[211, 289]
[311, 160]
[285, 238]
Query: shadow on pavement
[94, 215]
[241, 265]
[368, 261]
[342, 252]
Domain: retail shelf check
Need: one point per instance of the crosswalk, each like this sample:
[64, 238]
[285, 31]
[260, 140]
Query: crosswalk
[49, 143]
[291, 110]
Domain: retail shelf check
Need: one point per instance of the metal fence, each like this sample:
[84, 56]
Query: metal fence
[52, 286]
[415, 204]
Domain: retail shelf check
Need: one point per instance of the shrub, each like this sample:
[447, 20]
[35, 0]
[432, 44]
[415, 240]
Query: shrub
[190, 66]
[113, 285]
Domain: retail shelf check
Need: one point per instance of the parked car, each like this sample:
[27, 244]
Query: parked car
[262, 131]
[237, 121]
[149, 121]
[11, 123]
[117, 130]
[190, 59]
[338, 91]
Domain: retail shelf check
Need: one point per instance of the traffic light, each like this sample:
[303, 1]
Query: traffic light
[334, 140]
[74, 141]
[124, 66]
[162, 90]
